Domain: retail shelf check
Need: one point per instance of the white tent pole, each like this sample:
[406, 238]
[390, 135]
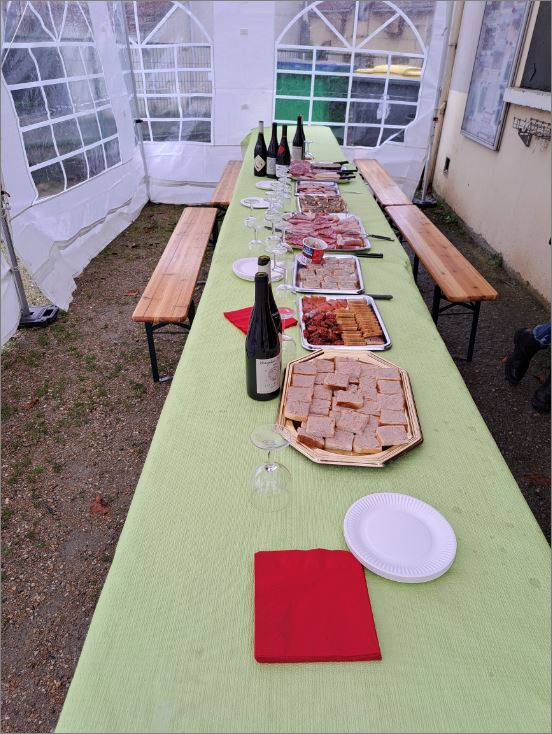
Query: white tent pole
[25, 310]
[137, 120]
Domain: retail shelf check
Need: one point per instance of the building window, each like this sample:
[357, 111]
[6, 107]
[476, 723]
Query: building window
[355, 66]
[57, 86]
[172, 57]
[536, 74]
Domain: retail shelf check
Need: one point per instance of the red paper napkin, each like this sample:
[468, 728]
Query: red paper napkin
[241, 319]
[312, 606]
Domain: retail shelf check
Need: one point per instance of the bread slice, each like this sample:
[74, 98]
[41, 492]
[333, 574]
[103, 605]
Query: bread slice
[392, 417]
[389, 387]
[300, 393]
[304, 368]
[320, 425]
[338, 380]
[324, 365]
[315, 442]
[322, 392]
[370, 407]
[394, 401]
[302, 380]
[341, 442]
[391, 435]
[366, 443]
[350, 420]
[320, 407]
[296, 410]
[349, 399]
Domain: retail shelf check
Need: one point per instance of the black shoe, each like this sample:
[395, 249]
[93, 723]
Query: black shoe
[526, 346]
[541, 399]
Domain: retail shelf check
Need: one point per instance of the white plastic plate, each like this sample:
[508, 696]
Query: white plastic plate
[264, 185]
[247, 267]
[258, 202]
[399, 537]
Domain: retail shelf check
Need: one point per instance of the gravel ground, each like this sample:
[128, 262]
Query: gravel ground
[79, 409]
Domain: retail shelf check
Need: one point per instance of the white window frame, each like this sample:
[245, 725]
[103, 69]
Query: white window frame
[141, 72]
[352, 49]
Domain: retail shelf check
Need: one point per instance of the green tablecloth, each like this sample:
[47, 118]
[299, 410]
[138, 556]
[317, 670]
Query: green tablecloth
[170, 647]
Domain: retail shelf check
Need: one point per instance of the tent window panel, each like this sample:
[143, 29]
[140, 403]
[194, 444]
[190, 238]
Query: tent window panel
[403, 90]
[146, 137]
[18, 67]
[331, 86]
[163, 107]
[75, 27]
[90, 130]
[141, 105]
[161, 83]
[293, 85]
[96, 162]
[400, 114]
[198, 57]
[73, 61]
[162, 131]
[29, 28]
[91, 60]
[158, 58]
[196, 106]
[364, 137]
[289, 109]
[99, 91]
[339, 133]
[329, 111]
[75, 169]
[67, 136]
[397, 136]
[29, 105]
[49, 180]
[333, 61]
[39, 145]
[364, 112]
[198, 131]
[195, 81]
[80, 94]
[108, 126]
[368, 88]
[58, 100]
[112, 154]
[49, 63]
[294, 59]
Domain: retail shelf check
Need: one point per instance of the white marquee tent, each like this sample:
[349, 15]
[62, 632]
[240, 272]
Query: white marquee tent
[199, 75]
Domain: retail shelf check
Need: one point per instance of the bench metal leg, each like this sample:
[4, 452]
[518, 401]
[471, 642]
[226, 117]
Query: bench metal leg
[191, 311]
[436, 303]
[415, 267]
[152, 354]
[475, 319]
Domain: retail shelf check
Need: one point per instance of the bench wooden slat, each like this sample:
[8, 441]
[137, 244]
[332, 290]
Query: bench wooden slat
[386, 191]
[457, 278]
[222, 195]
[170, 289]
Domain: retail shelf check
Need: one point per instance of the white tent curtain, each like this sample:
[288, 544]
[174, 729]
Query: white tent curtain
[10, 311]
[205, 73]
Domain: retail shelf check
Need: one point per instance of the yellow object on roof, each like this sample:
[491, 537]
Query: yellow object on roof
[394, 70]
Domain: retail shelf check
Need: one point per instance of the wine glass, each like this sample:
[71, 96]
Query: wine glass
[249, 202]
[271, 481]
[308, 154]
[255, 244]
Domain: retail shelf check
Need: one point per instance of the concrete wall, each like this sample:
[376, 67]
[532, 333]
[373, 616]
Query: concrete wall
[503, 195]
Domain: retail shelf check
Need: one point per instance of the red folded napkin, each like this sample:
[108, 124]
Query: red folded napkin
[312, 606]
[241, 319]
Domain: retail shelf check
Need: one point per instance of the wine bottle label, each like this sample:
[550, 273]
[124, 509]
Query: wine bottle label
[271, 166]
[259, 163]
[296, 152]
[281, 170]
[268, 374]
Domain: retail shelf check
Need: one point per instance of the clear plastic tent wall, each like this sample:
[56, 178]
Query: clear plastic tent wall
[199, 75]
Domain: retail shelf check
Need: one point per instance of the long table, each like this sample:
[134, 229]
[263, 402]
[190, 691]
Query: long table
[170, 646]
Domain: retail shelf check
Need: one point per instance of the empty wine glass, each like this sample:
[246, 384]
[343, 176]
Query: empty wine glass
[308, 155]
[271, 481]
[249, 202]
[255, 244]
[289, 350]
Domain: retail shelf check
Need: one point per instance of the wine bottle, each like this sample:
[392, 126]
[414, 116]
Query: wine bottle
[272, 153]
[259, 161]
[264, 266]
[263, 357]
[283, 157]
[298, 145]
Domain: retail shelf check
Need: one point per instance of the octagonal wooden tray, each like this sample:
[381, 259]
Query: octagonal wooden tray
[321, 456]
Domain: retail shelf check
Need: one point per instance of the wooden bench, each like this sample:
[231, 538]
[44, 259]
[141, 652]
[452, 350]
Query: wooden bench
[383, 187]
[222, 195]
[168, 298]
[456, 280]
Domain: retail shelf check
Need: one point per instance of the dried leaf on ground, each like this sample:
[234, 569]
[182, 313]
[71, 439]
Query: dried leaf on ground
[133, 292]
[99, 506]
[31, 403]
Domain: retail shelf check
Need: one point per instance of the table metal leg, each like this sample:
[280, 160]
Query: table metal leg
[436, 302]
[475, 319]
[152, 354]
[415, 267]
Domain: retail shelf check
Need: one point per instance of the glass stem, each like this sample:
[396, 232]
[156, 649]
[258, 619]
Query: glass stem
[268, 457]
